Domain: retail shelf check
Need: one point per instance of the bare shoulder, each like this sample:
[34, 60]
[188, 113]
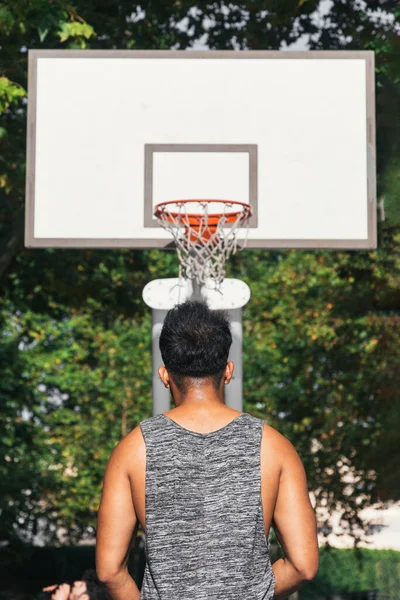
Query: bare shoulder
[278, 450]
[130, 449]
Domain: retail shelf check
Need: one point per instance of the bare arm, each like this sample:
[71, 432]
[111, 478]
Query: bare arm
[295, 525]
[116, 529]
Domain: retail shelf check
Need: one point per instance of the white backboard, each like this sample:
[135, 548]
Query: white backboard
[112, 133]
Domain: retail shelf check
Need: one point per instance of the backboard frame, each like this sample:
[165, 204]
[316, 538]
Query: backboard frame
[368, 56]
[151, 149]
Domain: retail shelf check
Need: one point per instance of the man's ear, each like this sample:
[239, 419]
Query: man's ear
[164, 376]
[230, 367]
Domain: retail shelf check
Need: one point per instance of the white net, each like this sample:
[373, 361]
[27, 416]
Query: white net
[205, 234]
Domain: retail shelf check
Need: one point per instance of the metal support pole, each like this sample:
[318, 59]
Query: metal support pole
[234, 390]
[161, 395]
[197, 288]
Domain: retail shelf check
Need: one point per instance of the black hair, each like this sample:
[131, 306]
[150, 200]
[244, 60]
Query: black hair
[96, 590]
[195, 342]
[184, 382]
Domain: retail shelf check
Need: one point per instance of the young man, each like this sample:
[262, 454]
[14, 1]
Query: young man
[206, 482]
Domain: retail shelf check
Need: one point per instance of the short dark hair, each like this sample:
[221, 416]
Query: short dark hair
[96, 590]
[195, 341]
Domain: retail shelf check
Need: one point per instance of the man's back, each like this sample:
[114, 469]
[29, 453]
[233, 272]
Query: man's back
[205, 532]
[284, 496]
[205, 482]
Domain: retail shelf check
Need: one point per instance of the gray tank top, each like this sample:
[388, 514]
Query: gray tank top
[205, 536]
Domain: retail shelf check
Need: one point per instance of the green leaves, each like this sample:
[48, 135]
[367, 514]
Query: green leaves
[7, 20]
[321, 350]
[320, 361]
[42, 33]
[10, 93]
[85, 384]
[390, 190]
[79, 31]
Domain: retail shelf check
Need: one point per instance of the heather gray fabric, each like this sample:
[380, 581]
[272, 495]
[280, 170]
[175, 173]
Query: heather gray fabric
[205, 537]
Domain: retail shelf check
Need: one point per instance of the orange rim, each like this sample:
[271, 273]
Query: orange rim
[194, 220]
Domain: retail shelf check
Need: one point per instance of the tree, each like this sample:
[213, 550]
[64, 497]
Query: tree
[321, 343]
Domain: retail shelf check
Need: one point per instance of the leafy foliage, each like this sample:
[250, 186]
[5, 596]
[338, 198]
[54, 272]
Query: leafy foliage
[343, 570]
[321, 331]
[322, 355]
[9, 93]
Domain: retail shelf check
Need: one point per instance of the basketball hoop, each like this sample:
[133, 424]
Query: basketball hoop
[204, 238]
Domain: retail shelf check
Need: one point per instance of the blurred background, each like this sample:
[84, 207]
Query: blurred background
[321, 332]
